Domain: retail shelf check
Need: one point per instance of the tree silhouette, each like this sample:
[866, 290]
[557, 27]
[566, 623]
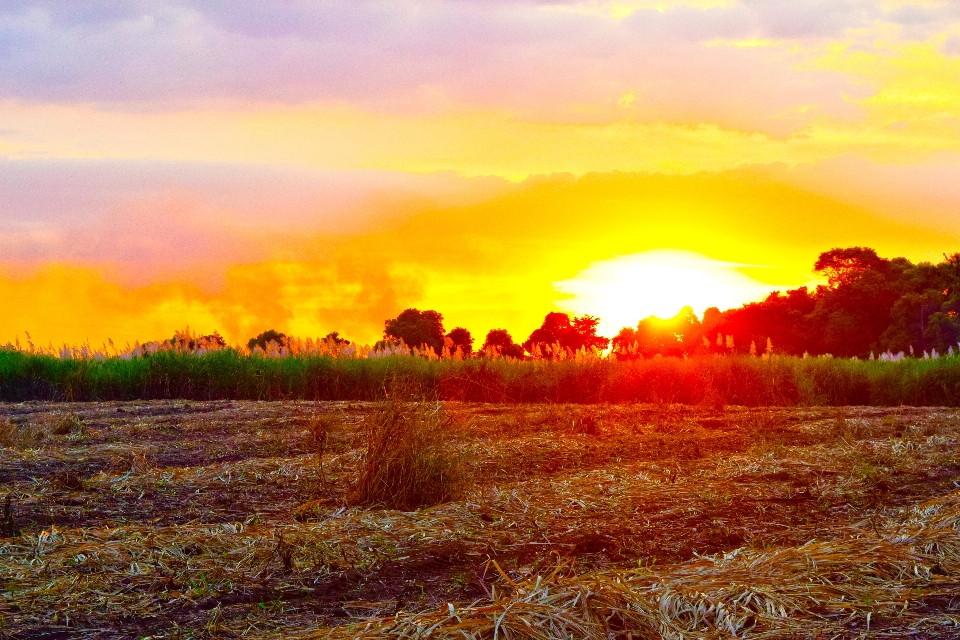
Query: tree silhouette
[502, 342]
[870, 304]
[210, 341]
[416, 328]
[460, 337]
[846, 266]
[676, 336]
[335, 337]
[270, 335]
[559, 328]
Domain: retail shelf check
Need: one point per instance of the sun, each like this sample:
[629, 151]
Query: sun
[623, 290]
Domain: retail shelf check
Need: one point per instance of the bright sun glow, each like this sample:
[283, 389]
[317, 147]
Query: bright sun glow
[623, 290]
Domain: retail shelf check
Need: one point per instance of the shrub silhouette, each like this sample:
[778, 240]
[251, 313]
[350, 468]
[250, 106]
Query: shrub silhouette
[268, 336]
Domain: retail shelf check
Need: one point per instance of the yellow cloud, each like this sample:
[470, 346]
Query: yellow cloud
[748, 43]
[913, 111]
[915, 82]
[486, 265]
[479, 143]
[618, 9]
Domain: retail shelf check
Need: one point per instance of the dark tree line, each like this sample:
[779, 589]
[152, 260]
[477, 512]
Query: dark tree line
[869, 304]
[420, 329]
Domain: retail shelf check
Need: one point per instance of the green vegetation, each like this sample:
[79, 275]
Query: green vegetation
[737, 380]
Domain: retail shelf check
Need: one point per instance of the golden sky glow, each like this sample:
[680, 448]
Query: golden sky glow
[316, 168]
[658, 283]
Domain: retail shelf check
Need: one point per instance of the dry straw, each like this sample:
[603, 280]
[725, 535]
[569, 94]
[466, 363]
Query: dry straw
[409, 459]
[886, 572]
[819, 589]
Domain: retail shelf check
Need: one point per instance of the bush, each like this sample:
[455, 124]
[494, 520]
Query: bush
[409, 459]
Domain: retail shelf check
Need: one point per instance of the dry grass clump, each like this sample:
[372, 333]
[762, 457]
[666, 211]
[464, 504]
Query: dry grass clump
[18, 432]
[586, 424]
[9, 434]
[409, 459]
[68, 424]
[850, 429]
[21, 434]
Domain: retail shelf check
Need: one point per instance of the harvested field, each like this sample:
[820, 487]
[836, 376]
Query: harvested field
[222, 519]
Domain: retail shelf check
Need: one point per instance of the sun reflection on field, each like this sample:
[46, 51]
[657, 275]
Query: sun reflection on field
[625, 289]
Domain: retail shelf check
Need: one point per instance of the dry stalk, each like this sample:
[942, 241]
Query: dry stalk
[409, 460]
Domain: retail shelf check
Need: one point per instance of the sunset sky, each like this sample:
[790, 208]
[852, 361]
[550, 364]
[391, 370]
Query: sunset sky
[311, 167]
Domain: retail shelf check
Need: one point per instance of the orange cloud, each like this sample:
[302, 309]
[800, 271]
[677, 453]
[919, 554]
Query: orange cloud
[484, 265]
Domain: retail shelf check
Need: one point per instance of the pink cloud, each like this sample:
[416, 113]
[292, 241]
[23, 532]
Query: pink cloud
[420, 57]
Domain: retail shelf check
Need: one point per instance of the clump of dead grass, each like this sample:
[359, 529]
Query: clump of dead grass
[68, 424]
[587, 424]
[409, 459]
[18, 432]
[21, 434]
[850, 429]
[9, 434]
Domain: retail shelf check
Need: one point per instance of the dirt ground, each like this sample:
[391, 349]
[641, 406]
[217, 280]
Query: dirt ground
[220, 519]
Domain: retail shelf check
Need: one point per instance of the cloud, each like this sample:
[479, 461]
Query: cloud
[72, 304]
[141, 221]
[496, 143]
[303, 165]
[484, 261]
[415, 57]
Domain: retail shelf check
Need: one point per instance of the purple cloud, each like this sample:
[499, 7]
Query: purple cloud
[167, 51]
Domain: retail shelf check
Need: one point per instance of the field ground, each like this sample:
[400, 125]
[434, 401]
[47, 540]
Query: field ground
[216, 519]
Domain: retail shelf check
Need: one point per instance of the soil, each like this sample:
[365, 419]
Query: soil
[221, 519]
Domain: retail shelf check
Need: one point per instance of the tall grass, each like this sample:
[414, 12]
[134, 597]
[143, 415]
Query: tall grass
[739, 380]
[409, 459]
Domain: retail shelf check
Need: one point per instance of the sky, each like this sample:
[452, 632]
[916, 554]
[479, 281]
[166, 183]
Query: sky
[315, 167]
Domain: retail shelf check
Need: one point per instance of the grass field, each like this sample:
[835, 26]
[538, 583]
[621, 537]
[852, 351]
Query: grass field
[185, 519]
[738, 380]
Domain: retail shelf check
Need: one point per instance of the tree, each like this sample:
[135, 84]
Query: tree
[416, 329]
[676, 336]
[845, 266]
[460, 337]
[923, 321]
[784, 318]
[502, 342]
[559, 328]
[268, 336]
[943, 328]
[334, 336]
[584, 334]
[186, 340]
[853, 312]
